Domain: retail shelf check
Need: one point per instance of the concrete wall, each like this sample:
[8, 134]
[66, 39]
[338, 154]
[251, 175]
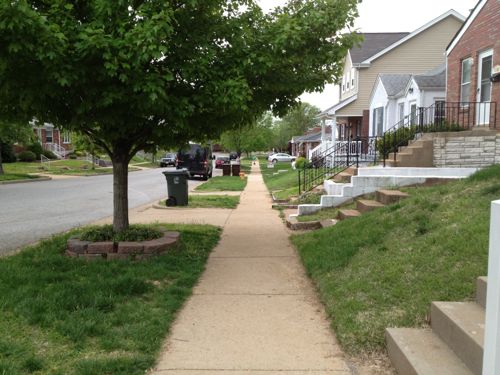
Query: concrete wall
[467, 149]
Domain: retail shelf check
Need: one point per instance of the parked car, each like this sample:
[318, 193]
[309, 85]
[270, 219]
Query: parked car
[233, 155]
[168, 160]
[274, 158]
[221, 160]
[197, 159]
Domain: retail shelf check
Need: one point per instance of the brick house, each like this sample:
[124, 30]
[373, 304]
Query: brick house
[472, 58]
[53, 139]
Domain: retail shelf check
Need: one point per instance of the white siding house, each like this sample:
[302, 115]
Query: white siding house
[397, 96]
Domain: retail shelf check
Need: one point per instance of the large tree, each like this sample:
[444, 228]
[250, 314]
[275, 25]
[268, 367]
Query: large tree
[11, 133]
[132, 74]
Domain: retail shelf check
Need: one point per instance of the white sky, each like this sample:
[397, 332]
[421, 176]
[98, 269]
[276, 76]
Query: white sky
[385, 16]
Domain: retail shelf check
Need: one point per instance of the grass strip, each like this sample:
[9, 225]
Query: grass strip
[223, 183]
[384, 268]
[281, 177]
[69, 316]
[210, 201]
[16, 176]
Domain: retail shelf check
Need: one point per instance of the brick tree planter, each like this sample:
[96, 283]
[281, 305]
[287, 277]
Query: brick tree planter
[123, 249]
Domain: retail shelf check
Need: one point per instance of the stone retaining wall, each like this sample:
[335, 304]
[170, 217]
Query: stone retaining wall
[472, 149]
[121, 250]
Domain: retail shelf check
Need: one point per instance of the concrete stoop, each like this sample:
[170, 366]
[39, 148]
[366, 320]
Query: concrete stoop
[453, 345]
[370, 179]
[383, 198]
[419, 153]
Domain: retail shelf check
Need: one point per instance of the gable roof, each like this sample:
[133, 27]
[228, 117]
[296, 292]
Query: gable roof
[373, 43]
[394, 83]
[434, 79]
[472, 15]
[451, 12]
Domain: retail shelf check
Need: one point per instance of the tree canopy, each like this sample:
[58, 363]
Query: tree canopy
[132, 74]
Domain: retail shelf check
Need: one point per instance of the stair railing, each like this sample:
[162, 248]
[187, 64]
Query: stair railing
[439, 117]
[336, 159]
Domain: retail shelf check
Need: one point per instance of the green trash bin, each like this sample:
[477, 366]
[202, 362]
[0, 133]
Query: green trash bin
[177, 184]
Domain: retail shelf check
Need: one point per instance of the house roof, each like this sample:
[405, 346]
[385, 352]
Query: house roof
[472, 15]
[434, 79]
[402, 40]
[372, 44]
[394, 83]
[311, 137]
[337, 106]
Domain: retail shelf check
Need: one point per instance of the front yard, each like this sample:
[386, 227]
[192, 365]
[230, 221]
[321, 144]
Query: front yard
[65, 316]
[57, 167]
[281, 180]
[384, 268]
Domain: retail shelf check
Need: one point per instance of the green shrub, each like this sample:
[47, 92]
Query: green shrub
[73, 156]
[49, 154]
[26, 156]
[133, 233]
[8, 155]
[302, 163]
[35, 148]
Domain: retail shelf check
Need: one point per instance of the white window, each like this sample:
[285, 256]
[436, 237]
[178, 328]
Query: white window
[466, 79]
[413, 113]
[343, 84]
[378, 121]
[353, 74]
[348, 83]
[401, 112]
[49, 136]
[66, 137]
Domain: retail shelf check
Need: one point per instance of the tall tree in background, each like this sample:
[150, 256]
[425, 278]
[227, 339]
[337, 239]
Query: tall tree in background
[297, 121]
[132, 75]
[252, 137]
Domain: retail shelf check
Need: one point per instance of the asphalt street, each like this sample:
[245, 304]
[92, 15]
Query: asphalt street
[36, 210]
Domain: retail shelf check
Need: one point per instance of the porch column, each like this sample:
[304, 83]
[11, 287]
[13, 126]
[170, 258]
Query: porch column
[323, 130]
[334, 128]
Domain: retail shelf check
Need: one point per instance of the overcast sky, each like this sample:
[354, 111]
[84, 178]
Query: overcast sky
[386, 16]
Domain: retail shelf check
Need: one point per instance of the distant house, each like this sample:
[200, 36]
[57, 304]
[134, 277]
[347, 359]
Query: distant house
[53, 139]
[386, 53]
[473, 61]
[302, 145]
[395, 97]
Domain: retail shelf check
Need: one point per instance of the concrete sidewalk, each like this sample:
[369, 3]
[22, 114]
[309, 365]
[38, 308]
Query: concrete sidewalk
[254, 310]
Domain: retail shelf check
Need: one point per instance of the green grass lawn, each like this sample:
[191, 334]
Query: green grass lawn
[65, 316]
[325, 213]
[384, 268]
[210, 201]
[246, 165]
[16, 176]
[146, 165]
[223, 183]
[286, 182]
[58, 167]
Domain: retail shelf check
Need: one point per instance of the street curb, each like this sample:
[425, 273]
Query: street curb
[25, 181]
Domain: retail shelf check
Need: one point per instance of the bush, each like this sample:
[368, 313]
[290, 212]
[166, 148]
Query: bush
[49, 154]
[72, 156]
[133, 233]
[302, 163]
[8, 155]
[35, 148]
[26, 156]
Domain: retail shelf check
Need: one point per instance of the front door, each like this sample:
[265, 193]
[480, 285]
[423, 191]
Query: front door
[485, 64]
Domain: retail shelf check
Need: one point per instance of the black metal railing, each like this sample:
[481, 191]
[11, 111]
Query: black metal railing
[336, 159]
[439, 117]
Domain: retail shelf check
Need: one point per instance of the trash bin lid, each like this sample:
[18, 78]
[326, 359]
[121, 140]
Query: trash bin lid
[176, 172]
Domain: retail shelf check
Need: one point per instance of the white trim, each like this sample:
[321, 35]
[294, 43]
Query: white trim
[378, 81]
[464, 28]
[451, 12]
[336, 107]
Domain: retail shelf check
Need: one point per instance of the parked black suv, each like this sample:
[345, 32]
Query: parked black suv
[169, 159]
[196, 159]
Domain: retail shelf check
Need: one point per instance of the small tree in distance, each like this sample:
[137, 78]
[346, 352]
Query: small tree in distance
[132, 75]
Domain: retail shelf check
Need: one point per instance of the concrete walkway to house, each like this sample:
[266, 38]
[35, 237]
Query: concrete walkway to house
[254, 310]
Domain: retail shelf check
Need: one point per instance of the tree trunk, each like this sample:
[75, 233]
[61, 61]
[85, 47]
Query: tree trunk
[1, 166]
[120, 192]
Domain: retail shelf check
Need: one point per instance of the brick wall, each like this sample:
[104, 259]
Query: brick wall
[467, 149]
[482, 34]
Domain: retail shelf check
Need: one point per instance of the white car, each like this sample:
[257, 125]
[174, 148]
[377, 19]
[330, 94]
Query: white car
[274, 158]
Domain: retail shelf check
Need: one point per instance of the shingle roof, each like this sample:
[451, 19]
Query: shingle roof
[372, 44]
[394, 83]
[436, 78]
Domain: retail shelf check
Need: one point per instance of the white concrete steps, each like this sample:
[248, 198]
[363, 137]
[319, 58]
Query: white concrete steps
[454, 345]
[416, 351]
[461, 326]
